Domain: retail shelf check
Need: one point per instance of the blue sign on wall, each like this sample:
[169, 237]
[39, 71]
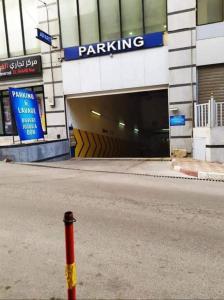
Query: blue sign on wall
[146, 41]
[178, 120]
[44, 37]
[26, 111]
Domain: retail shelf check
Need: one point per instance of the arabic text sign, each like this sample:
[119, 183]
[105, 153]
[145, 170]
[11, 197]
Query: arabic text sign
[20, 67]
[178, 120]
[25, 109]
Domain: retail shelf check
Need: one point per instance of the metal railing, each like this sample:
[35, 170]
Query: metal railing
[220, 114]
[201, 115]
[210, 114]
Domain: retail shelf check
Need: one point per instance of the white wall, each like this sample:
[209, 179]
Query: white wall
[177, 5]
[208, 136]
[210, 51]
[182, 73]
[210, 44]
[143, 68]
[210, 31]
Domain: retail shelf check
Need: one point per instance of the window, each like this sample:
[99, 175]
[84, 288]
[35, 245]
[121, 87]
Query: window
[30, 23]
[132, 19]
[89, 21]
[3, 48]
[7, 126]
[106, 20]
[1, 120]
[7, 123]
[109, 20]
[41, 105]
[69, 24]
[14, 27]
[155, 15]
[8, 120]
[11, 12]
[210, 11]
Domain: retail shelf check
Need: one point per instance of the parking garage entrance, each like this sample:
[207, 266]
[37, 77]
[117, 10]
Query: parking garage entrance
[121, 125]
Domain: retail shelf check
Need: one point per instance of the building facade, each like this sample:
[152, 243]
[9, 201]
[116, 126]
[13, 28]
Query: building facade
[19, 47]
[117, 73]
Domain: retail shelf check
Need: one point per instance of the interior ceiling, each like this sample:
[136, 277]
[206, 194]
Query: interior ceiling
[147, 110]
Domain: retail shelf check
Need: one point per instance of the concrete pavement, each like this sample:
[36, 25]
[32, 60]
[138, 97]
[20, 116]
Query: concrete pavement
[141, 166]
[137, 237]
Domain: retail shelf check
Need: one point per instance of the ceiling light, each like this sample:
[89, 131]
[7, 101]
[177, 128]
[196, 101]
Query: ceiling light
[174, 109]
[121, 124]
[96, 113]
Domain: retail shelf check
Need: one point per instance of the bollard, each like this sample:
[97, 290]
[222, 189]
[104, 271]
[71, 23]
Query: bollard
[70, 269]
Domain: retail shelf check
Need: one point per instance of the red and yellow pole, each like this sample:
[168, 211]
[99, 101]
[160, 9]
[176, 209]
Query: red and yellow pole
[70, 269]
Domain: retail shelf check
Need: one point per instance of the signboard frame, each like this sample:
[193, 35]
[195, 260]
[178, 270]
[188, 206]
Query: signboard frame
[44, 37]
[131, 43]
[24, 107]
[20, 67]
[177, 120]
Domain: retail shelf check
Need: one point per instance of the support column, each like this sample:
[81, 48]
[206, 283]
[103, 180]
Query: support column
[182, 69]
[52, 74]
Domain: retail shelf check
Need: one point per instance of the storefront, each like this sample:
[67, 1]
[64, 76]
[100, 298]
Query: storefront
[25, 73]
[17, 72]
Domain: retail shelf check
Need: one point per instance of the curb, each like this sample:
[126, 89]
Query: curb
[199, 174]
[177, 168]
[211, 176]
[122, 159]
[186, 171]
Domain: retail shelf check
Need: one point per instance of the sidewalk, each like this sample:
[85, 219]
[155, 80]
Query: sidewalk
[199, 169]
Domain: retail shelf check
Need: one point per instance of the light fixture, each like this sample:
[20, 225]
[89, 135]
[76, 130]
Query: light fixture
[165, 129]
[173, 108]
[131, 33]
[136, 130]
[121, 124]
[96, 113]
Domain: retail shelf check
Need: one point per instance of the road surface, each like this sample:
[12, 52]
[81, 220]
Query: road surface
[137, 237]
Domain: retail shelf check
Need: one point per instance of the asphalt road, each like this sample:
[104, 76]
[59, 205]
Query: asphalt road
[137, 237]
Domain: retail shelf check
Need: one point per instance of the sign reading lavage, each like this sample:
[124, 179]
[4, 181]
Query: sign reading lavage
[20, 67]
[26, 112]
[178, 120]
[146, 41]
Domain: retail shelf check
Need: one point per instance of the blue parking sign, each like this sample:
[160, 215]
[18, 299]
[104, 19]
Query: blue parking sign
[25, 109]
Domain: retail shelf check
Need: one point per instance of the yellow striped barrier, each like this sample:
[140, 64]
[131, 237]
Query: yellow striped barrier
[90, 144]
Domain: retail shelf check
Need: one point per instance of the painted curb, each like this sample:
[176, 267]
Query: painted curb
[189, 172]
[199, 174]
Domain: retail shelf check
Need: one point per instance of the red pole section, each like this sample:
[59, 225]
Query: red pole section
[70, 269]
